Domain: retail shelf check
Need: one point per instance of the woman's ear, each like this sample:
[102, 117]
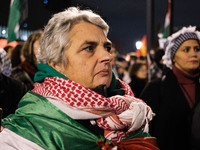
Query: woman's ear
[55, 66]
[173, 60]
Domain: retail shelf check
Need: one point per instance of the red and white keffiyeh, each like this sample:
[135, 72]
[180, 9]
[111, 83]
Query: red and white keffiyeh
[118, 115]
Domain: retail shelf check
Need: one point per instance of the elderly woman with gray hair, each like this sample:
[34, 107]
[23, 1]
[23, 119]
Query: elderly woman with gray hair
[174, 97]
[77, 103]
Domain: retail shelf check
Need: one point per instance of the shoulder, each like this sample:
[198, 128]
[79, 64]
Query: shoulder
[165, 81]
[10, 83]
[155, 83]
[10, 140]
[152, 90]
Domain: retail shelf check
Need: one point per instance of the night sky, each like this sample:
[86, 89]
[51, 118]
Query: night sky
[126, 18]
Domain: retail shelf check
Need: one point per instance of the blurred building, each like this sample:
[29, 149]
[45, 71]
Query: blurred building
[23, 34]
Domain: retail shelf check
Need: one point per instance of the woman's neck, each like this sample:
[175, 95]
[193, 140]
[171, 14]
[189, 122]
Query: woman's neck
[183, 76]
[187, 72]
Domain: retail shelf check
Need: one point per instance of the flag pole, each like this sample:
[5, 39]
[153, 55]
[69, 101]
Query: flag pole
[150, 24]
[171, 18]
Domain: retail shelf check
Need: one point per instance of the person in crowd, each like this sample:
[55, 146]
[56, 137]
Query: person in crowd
[77, 103]
[174, 96]
[15, 56]
[5, 63]
[11, 91]
[26, 70]
[156, 68]
[122, 68]
[8, 50]
[138, 74]
[133, 58]
[113, 52]
[195, 131]
[142, 59]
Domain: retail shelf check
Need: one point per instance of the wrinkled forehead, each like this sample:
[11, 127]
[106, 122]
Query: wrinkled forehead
[85, 31]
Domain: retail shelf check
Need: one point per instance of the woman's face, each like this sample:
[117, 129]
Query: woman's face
[88, 57]
[114, 55]
[187, 57]
[36, 45]
[142, 72]
[9, 53]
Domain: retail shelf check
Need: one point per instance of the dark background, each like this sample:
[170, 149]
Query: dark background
[126, 18]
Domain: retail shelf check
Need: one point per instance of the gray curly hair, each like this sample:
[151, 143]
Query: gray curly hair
[55, 37]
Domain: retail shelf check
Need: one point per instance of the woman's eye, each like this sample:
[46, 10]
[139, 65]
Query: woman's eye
[89, 48]
[197, 49]
[108, 48]
[186, 50]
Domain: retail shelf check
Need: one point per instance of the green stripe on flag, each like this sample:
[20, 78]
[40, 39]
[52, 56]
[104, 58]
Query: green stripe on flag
[13, 22]
[166, 32]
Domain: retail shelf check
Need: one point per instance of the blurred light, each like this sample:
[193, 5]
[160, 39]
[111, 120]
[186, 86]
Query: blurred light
[45, 1]
[160, 35]
[24, 37]
[138, 44]
[25, 25]
[3, 31]
[127, 58]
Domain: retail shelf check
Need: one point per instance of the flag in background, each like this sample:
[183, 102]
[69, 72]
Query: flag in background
[18, 13]
[167, 21]
[143, 50]
[144, 46]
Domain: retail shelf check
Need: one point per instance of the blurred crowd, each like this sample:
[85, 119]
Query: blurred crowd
[168, 80]
[137, 70]
[18, 67]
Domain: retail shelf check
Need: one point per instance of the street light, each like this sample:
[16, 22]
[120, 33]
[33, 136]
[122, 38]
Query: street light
[3, 32]
[138, 44]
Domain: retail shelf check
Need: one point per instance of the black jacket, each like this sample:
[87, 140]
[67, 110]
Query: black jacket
[172, 123]
[137, 85]
[11, 91]
[195, 139]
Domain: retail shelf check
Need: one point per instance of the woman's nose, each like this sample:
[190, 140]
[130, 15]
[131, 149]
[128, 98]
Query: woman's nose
[105, 56]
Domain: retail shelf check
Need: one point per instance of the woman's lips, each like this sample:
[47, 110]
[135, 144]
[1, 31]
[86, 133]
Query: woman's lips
[194, 61]
[103, 72]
